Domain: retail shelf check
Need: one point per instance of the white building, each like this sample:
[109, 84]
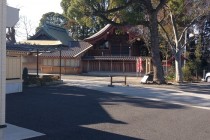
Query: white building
[13, 15]
[13, 61]
[2, 62]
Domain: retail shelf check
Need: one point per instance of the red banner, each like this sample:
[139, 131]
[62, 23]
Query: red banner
[139, 66]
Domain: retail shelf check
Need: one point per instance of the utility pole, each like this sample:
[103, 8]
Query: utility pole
[2, 62]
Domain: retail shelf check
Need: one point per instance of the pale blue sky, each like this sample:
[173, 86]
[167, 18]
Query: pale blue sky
[34, 9]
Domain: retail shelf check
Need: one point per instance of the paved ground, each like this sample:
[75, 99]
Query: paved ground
[78, 111]
[192, 94]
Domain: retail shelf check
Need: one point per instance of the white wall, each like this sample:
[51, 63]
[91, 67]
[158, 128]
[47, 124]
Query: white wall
[14, 74]
[14, 70]
[14, 86]
[2, 60]
[12, 16]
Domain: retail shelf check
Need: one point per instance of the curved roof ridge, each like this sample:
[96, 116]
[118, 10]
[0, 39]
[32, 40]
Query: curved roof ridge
[53, 32]
[55, 27]
[100, 33]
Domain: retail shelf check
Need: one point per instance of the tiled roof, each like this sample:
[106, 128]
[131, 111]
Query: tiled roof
[41, 42]
[132, 31]
[125, 58]
[100, 34]
[75, 49]
[27, 47]
[54, 33]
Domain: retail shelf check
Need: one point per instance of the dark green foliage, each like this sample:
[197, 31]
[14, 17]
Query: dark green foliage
[125, 12]
[188, 71]
[40, 81]
[194, 68]
[25, 75]
[81, 24]
[170, 74]
[54, 19]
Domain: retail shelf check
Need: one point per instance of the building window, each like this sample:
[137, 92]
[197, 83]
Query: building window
[62, 62]
[104, 45]
[76, 63]
[72, 63]
[47, 62]
[56, 62]
[68, 62]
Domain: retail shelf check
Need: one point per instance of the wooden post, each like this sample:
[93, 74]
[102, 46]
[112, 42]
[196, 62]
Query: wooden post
[88, 66]
[204, 74]
[149, 65]
[110, 85]
[37, 63]
[146, 66]
[125, 80]
[111, 65]
[111, 81]
[123, 66]
[99, 65]
[60, 64]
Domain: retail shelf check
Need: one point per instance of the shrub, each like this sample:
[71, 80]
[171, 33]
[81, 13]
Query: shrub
[25, 73]
[170, 74]
[187, 73]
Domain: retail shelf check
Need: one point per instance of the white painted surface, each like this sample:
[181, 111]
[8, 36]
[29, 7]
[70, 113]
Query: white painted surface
[13, 86]
[12, 132]
[158, 94]
[12, 16]
[2, 60]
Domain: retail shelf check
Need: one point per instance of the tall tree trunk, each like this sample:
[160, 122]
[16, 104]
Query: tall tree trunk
[178, 66]
[155, 50]
[178, 53]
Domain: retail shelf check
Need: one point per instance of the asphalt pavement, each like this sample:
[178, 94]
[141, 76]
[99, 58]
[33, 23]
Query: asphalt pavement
[85, 108]
[190, 94]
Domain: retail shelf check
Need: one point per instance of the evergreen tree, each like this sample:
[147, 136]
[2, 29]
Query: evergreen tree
[54, 19]
[128, 12]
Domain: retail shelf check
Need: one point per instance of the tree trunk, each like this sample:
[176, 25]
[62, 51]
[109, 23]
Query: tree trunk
[10, 35]
[178, 66]
[155, 50]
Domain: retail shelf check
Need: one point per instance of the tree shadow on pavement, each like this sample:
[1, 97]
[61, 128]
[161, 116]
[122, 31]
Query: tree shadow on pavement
[60, 111]
[196, 88]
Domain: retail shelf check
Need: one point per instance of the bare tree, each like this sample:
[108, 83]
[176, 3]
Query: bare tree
[27, 26]
[24, 28]
[10, 35]
[177, 38]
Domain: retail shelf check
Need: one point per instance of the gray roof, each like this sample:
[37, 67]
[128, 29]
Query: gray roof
[100, 34]
[119, 58]
[28, 47]
[76, 48]
[52, 32]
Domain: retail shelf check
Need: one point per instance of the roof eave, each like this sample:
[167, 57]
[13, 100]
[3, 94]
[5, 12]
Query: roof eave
[83, 51]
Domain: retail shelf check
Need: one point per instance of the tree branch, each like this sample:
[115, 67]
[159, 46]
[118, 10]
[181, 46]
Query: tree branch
[168, 38]
[174, 27]
[161, 4]
[190, 24]
[97, 10]
[170, 42]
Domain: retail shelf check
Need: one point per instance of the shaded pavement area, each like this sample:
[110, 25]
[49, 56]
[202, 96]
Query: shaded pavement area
[66, 112]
